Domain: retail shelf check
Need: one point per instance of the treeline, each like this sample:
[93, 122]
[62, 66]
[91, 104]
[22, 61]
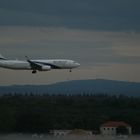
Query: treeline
[34, 113]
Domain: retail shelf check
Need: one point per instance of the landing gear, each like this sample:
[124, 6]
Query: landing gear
[34, 71]
[70, 70]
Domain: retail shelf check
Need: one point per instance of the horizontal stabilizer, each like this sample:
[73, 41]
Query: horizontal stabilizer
[2, 58]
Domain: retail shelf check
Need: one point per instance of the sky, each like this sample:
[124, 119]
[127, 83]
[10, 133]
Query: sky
[102, 35]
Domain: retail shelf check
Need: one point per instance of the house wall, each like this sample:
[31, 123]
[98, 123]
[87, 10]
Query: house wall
[108, 130]
[129, 130]
[112, 130]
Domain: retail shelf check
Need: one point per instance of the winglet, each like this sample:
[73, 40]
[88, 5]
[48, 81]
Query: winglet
[27, 58]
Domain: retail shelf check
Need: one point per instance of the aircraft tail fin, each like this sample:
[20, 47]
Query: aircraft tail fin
[2, 58]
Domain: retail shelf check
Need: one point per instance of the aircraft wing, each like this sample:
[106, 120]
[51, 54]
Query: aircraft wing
[38, 66]
[35, 65]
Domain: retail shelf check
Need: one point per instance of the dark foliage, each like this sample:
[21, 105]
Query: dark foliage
[30, 113]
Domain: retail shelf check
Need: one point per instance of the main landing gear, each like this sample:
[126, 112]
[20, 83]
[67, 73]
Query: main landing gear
[34, 71]
[70, 70]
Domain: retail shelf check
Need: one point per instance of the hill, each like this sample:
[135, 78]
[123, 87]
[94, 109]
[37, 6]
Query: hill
[74, 87]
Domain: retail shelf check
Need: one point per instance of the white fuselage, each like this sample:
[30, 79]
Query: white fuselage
[25, 65]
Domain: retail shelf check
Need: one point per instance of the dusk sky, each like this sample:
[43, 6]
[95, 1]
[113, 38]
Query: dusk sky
[102, 35]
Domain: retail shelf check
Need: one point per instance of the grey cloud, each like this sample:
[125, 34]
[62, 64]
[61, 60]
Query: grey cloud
[82, 14]
[87, 47]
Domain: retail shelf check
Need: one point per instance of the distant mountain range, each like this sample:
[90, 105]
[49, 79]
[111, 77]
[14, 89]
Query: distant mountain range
[74, 87]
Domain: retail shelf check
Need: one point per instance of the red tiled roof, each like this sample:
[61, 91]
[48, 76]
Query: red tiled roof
[115, 124]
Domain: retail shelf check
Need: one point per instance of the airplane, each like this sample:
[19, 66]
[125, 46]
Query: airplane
[38, 65]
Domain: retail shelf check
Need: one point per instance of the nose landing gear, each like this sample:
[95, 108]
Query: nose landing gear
[70, 70]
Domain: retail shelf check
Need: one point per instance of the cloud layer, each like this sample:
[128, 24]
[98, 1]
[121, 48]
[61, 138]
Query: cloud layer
[88, 47]
[82, 14]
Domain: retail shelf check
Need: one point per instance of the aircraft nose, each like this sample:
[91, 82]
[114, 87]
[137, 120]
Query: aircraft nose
[77, 64]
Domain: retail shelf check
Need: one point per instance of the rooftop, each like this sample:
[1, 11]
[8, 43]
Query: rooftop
[115, 124]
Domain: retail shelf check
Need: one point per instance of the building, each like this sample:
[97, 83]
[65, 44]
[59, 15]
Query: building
[115, 128]
[70, 132]
[80, 132]
[59, 132]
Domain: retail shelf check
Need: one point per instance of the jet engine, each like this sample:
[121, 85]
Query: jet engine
[45, 68]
